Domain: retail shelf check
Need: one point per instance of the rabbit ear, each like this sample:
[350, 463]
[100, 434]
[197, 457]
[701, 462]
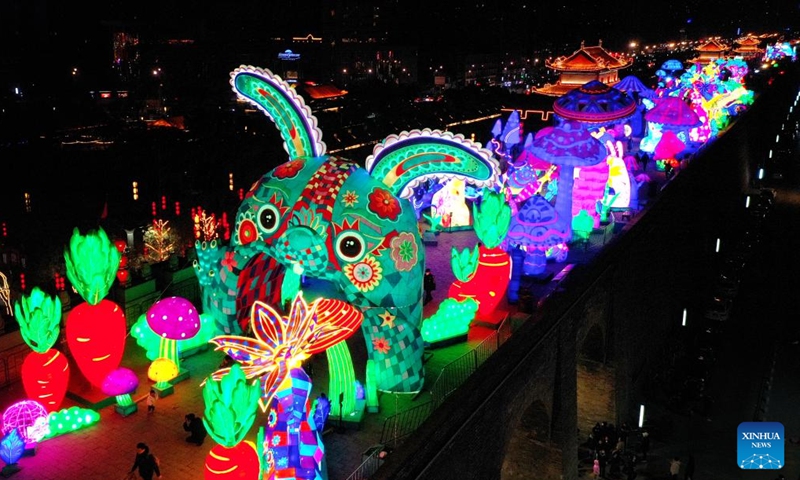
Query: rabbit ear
[273, 96]
[619, 149]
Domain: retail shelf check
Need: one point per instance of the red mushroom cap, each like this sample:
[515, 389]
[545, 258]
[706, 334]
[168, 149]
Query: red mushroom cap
[174, 318]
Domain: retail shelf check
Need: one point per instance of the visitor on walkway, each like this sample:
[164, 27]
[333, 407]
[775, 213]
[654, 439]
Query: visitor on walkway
[674, 468]
[645, 446]
[429, 285]
[146, 462]
[688, 474]
[194, 425]
[151, 401]
[596, 469]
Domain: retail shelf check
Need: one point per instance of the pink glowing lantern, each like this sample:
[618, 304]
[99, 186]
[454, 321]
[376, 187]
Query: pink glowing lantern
[669, 147]
[120, 383]
[29, 418]
[173, 319]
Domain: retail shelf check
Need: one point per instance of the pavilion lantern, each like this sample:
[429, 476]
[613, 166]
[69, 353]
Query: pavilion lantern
[241, 194]
[5, 230]
[135, 190]
[177, 209]
[27, 202]
[230, 181]
[22, 282]
[154, 210]
[163, 202]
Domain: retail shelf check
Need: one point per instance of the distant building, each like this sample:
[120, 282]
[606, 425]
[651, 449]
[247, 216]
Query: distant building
[710, 51]
[748, 47]
[584, 65]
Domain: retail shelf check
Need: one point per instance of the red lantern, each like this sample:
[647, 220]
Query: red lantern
[45, 377]
[96, 338]
[123, 262]
[123, 276]
[239, 462]
[120, 245]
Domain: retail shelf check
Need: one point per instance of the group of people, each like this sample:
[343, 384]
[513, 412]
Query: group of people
[608, 444]
[148, 465]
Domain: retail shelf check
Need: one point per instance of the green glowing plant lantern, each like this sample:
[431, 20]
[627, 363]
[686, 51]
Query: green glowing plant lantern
[230, 410]
[71, 419]
[582, 225]
[92, 263]
[491, 271]
[464, 263]
[45, 371]
[451, 320]
[95, 330]
[371, 389]
[341, 379]
[436, 222]
[492, 219]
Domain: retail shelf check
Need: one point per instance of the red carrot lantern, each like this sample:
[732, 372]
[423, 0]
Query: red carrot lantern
[45, 371]
[96, 330]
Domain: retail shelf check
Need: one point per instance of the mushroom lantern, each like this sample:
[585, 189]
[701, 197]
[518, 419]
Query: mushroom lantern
[538, 226]
[121, 383]
[161, 371]
[173, 319]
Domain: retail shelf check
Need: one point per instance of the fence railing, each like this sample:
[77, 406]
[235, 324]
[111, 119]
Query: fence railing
[11, 364]
[370, 464]
[453, 375]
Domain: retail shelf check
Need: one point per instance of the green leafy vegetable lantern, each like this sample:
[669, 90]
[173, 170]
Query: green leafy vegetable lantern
[96, 330]
[231, 405]
[45, 371]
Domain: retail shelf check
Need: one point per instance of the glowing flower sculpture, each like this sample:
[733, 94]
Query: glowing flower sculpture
[45, 371]
[96, 330]
[231, 405]
[292, 444]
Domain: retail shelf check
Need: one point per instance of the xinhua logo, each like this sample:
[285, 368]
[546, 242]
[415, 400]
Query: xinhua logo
[760, 446]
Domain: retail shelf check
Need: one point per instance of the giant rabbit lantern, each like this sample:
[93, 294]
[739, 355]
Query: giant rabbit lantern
[326, 218]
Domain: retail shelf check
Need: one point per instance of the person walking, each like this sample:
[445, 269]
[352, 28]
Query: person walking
[645, 446]
[674, 468]
[151, 401]
[145, 462]
[688, 474]
[596, 469]
[429, 285]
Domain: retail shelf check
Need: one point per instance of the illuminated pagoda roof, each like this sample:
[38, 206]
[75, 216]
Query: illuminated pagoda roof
[710, 51]
[584, 65]
[594, 102]
[747, 47]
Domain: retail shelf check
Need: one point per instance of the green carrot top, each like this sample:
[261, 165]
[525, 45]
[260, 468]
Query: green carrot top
[38, 315]
[92, 263]
[231, 405]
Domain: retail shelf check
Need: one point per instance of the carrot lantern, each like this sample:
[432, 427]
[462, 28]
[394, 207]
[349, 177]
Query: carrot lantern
[96, 329]
[231, 405]
[45, 371]
[489, 280]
